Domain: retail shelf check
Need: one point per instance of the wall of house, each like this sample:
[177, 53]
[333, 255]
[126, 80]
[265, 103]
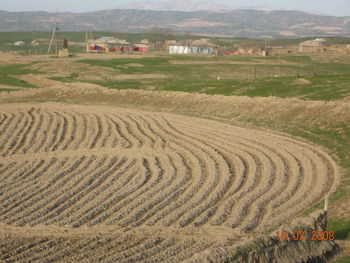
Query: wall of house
[190, 50]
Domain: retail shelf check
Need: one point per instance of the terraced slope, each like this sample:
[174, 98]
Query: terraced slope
[103, 184]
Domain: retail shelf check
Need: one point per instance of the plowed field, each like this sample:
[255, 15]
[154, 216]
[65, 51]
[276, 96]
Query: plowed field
[103, 184]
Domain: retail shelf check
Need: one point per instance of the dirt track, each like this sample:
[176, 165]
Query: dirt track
[114, 185]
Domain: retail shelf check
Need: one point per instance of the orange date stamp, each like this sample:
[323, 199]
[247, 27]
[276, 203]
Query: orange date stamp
[302, 235]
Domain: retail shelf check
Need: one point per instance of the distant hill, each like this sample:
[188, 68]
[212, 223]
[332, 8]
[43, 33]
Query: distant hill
[244, 23]
[176, 5]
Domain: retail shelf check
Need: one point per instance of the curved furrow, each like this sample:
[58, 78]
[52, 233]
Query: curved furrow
[33, 136]
[306, 192]
[134, 179]
[26, 202]
[226, 173]
[125, 249]
[166, 192]
[158, 140]
[97, 132]
[26, 187]
[76, 197]
[265, 198]
[29, 209]
[3, 118]
[197, 176]
[62, 133]
[57, 201]
[215, 170]
[142, 246]
[122, 133]
[135, 187]
[119, 185]
[150, 249]
[26, 130]
[12, 139]
[20, 171]
[90, 252]
[55, 132]
[46, 250]
[22, 182]
[93, 194]
[29, 195]
[142, 130]
[89, 207]
[6, 121]
[27, 250]
[40, 133]
[129, 210]
[189, 251]
[71, 131]
[278, 157]
[108, 137]
[25, 190]
[102, 210]
[173, 251]
[7, 169]
[125, 129]
[47, 130]
[64, 253]
[82, 132]
[87, 179]
[114, 248]
[141, 203]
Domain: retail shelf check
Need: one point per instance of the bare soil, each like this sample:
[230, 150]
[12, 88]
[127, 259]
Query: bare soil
[98, 183]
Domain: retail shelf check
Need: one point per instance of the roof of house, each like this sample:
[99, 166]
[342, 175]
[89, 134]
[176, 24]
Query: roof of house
[194, 43]
[314, 43]
[111, 40]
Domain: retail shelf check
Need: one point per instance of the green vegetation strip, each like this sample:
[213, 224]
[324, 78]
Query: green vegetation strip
[326, 81]
[7, 74]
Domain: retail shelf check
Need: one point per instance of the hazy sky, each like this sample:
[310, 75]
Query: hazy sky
[333, 7]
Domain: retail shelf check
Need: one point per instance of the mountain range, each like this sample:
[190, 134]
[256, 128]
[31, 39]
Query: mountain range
[243, 23]
[189, 5]
[176, 5]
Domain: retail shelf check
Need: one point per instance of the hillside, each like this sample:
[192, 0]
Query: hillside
[176, 5]
[246, 23]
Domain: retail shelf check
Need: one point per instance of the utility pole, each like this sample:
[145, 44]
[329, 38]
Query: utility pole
[52, 38]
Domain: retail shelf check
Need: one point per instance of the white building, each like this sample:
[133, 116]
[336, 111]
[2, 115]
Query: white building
[19, 43]
[190, 50]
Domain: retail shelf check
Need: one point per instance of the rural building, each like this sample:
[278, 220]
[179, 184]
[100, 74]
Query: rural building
[250, 51]
[199, 47]
[316, 45]
[19, 43]
[112, 44]
[140, 47]
[108, 44]
[275, 50]
[35, 43]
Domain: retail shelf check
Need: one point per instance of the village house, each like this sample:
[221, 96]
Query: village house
[316, 45]
[19, 43]
[198, 47]
[108, 44]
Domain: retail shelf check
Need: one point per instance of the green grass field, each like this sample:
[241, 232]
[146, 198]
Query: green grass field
[8, 76]
[328, 81]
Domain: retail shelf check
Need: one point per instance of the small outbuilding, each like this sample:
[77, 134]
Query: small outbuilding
[20, 43]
